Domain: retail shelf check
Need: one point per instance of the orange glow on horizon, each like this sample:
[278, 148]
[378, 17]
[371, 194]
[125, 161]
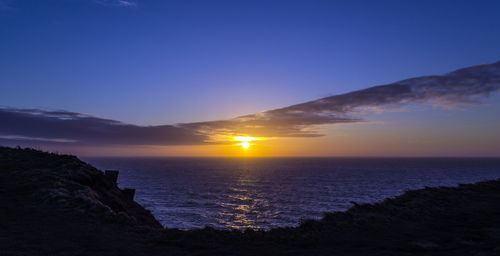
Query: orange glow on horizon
[245, 141]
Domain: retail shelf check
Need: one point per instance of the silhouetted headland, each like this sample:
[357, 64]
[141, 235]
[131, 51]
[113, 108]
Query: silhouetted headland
[55, 204]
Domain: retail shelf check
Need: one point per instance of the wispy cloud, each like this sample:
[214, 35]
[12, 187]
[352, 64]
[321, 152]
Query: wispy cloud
[78, 128]
[25, 138]
[462, 87]
[122, 3]
[7, 5]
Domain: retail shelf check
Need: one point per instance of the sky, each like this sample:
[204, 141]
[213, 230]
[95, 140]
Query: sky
[185, 78]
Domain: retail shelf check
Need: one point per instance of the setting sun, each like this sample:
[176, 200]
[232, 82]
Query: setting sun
[245, 144]
[245, 141]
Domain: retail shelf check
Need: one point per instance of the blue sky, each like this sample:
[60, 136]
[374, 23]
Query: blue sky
[160, 62]
[118, 77]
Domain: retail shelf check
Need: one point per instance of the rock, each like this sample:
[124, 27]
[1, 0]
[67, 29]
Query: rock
[58, 205]
[67, 183]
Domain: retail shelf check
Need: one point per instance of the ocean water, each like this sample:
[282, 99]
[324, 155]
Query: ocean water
[262, 193]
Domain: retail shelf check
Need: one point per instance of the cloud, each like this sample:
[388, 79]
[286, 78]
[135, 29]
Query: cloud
[122, 3]
[7, 5]
[82, 129]
[462, 87]
[25, 138]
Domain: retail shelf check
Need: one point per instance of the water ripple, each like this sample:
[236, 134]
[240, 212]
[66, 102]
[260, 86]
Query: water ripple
[265, 193]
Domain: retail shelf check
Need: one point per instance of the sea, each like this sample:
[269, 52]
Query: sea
[265, 193]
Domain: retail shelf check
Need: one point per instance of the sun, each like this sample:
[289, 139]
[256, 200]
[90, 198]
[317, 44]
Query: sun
[245, 144]
[244, 141]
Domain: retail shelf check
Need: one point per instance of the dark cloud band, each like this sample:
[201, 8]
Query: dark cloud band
[464, 86]
[88, 130]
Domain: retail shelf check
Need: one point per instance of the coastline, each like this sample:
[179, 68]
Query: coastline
[59, 205]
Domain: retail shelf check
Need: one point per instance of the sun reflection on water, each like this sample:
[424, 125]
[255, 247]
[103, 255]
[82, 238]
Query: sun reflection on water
[243, 206]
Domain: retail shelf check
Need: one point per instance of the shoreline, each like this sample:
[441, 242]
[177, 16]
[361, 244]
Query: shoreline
[80, 211]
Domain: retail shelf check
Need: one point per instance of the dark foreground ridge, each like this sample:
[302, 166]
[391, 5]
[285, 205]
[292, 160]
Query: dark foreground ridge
[54, 204]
